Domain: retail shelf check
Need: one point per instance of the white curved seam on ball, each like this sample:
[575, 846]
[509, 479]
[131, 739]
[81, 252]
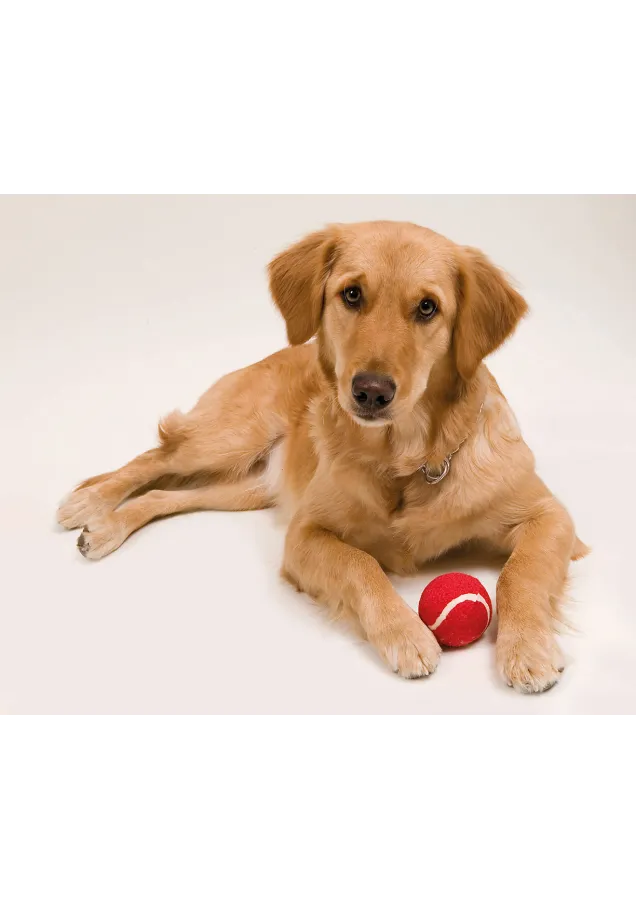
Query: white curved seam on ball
[475, 597]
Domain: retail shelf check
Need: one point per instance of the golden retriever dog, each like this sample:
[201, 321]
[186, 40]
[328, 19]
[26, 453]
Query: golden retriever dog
[386, 441]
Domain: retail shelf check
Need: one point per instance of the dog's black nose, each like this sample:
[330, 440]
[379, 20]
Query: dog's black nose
[372, 392]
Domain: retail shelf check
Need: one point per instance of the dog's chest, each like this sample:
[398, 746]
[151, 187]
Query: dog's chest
[400, 521]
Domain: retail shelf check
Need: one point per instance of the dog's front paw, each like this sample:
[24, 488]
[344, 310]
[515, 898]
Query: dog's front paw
[407, 645]
[529, 661]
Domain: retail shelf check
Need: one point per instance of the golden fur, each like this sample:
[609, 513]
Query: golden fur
[286, 431]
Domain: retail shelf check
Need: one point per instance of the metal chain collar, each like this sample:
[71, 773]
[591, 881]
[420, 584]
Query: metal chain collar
[430, 476]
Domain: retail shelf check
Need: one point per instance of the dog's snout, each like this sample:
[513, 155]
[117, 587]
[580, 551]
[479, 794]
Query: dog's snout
[372, 392]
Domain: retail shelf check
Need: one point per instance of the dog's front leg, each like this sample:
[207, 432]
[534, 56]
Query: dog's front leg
[343, 577]
[529, 594]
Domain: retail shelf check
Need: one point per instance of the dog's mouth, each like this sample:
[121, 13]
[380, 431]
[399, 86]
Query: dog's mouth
[370, 419]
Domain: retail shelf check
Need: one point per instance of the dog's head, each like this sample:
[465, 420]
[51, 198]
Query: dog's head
[390, 301]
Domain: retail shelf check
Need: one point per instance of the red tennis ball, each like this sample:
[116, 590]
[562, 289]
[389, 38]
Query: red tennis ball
[456, 607]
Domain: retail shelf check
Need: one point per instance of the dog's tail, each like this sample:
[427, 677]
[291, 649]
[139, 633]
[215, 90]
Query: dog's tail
[172, 431]
[580, 550]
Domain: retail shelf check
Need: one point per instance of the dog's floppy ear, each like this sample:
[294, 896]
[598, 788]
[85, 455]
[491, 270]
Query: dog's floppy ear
[488, 310]
[297, 279]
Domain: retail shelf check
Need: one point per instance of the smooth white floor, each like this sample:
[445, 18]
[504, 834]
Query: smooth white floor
[115, 310]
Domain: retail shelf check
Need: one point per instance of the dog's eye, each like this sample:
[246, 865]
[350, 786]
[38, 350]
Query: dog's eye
[427, 309]
[352, 296]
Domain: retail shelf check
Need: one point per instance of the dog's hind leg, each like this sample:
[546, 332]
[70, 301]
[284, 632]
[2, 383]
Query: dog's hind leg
[230, 430]
[107, 532]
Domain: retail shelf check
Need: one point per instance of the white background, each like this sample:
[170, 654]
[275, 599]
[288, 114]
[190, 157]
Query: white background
[114, 310]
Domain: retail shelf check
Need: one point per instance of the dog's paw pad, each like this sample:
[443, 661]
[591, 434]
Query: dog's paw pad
[100, 539]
